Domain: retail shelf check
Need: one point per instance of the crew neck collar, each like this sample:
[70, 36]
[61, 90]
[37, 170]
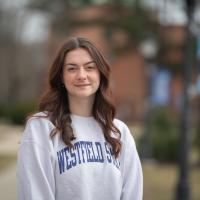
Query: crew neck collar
[81, 117]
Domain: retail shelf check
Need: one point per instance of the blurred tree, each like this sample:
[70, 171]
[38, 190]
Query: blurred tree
[129, 16]
[17, 60]
[163, 132]
[8, 50]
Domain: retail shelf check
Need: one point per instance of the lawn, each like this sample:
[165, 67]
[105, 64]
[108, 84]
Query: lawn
[160, 181]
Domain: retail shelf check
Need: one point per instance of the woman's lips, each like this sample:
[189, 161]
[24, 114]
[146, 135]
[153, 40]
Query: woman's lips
[82, 85]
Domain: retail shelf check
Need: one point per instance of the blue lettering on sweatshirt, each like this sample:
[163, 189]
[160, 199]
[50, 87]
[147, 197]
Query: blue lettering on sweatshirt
[85, 152]
[77, 147]
[61, 162]
[67, 157]
[111, 157]
[99, 150]
[73, 156]
[90, 152]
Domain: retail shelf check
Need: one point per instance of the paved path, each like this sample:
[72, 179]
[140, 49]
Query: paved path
[9, 142]
[8, 184]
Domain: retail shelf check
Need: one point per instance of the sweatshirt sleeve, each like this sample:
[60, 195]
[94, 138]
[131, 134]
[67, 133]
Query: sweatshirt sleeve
[132, 188]
[35, 164]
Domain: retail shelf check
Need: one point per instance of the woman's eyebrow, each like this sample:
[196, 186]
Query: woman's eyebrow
[73, 64]
[92, 61]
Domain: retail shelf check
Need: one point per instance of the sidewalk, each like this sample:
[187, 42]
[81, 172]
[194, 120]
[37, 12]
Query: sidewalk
[9, 142]
[9, 139]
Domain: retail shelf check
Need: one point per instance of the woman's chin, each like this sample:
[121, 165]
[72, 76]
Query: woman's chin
[83, 95]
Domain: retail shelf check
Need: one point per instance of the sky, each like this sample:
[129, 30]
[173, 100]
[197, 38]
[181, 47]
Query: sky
[35, 28]
[170, 11]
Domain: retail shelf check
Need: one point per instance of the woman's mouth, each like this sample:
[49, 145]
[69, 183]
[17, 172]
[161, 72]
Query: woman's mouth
[82, 85]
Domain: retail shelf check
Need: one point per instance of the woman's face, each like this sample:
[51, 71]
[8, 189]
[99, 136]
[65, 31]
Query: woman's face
[81, 76]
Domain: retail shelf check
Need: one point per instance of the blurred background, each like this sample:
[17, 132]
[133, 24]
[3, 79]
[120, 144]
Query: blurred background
[154, 50]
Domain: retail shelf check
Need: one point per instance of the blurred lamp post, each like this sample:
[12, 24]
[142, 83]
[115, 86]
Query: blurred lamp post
[183, 189]
[198, 65]
[149, 49]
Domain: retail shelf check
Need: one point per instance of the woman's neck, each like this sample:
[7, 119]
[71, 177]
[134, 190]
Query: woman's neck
[81, 107]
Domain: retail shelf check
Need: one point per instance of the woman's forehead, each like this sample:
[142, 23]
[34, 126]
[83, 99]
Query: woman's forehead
[79, 54]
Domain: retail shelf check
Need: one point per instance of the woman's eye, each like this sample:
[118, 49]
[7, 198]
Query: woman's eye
[90, 67]
[71, 69]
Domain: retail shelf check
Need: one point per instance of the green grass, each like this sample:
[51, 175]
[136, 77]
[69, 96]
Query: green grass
[160, 182]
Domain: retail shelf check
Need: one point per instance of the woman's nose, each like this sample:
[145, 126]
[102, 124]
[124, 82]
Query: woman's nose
[81, 74]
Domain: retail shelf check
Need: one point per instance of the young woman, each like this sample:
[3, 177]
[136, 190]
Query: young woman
[74, 149]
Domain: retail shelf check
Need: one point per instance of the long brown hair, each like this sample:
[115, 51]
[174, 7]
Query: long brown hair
[55, 103]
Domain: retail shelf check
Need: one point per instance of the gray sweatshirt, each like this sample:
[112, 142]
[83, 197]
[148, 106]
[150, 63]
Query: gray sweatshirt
[47, 169]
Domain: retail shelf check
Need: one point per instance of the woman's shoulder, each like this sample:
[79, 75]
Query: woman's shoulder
[37, 128]
[120, 124]
[40, 118]
[126, 135]
[40, 114]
